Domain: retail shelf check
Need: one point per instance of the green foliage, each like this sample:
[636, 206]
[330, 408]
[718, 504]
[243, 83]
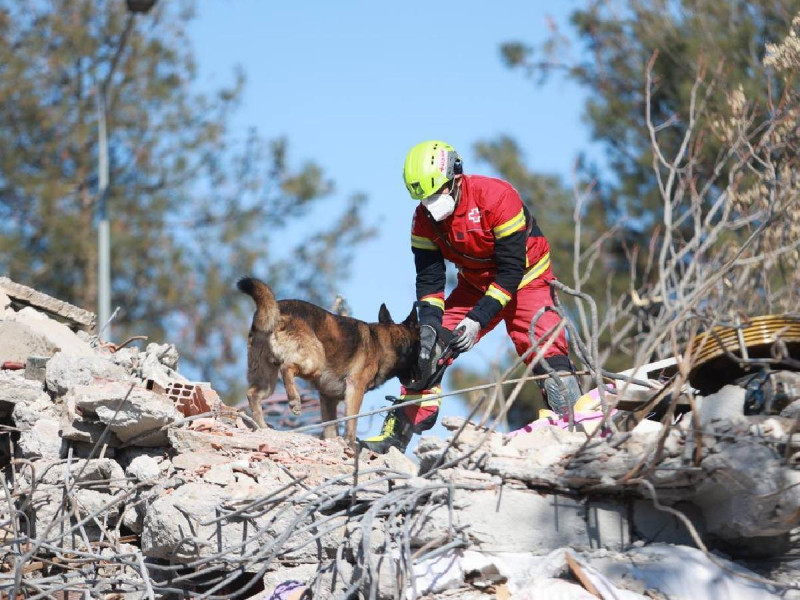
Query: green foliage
[192, 207]
[705, 61]
[723, 42]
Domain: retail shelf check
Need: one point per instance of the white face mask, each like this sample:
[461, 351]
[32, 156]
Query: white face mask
[440, 206]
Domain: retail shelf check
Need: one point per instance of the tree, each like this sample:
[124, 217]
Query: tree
[698, 121]
[193, 207]
[710, 71]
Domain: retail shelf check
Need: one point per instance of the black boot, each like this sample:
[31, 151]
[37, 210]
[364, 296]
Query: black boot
[397, 431]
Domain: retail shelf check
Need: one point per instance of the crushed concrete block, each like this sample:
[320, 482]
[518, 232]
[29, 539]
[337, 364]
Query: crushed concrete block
[30, 410]
[188, 507]
[133, 516]
[36, 368]
[41, 441]
[86, 431]
[47, 510]
[607, 524]
[143, 468]
[680, 572]
[77, 317]
[725, 405]
[747, 492]
[57, 334]
[134, 414]
[66, 371]
[150, 365]
[167, 354]
[16, 389]
[541, 522]
[654, 526]
[20, 341]
[100, 474]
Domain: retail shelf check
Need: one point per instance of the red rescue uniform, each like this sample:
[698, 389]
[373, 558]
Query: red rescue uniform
[503, 262]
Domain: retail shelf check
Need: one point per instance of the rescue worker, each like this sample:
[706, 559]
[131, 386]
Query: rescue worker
[481, 225]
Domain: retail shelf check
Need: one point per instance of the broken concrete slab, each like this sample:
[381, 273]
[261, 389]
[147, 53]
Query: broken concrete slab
[190, 522]
[136, 415]
[56, 333]
[66, 371]
[74, 316]
[20, 341]
[680, 572]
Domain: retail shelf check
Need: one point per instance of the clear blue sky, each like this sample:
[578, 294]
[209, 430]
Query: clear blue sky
[354, 84]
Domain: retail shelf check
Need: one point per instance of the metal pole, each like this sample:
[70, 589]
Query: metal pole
[103, 228]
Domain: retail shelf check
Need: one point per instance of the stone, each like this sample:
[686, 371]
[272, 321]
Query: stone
[65, 371]
[143, 468]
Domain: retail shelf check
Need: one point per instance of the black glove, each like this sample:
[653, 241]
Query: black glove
[427, 342]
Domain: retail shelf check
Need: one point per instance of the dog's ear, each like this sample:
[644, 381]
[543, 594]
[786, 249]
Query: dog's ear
[383, 316]
[411, 319]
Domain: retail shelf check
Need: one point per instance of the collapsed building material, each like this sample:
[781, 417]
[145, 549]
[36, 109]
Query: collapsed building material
[121, 478]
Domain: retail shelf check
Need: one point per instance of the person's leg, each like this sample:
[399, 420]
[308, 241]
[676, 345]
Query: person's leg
[527, 302]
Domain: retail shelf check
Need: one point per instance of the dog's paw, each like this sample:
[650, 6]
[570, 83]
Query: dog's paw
[295, 407]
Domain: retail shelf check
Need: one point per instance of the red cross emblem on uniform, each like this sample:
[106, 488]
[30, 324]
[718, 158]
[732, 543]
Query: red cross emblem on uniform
[474, 215]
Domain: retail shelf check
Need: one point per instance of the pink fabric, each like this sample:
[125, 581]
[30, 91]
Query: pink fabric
[562, 422]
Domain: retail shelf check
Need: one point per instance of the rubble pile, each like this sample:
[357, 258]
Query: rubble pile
[124, 480]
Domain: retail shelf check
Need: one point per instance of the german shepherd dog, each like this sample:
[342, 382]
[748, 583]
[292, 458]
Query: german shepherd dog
[340, 356]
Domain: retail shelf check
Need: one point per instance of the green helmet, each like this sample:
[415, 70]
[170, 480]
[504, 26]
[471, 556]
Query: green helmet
[429, 166]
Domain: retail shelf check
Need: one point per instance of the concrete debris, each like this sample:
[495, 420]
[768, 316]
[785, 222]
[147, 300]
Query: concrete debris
[124, 479]
[16, 293]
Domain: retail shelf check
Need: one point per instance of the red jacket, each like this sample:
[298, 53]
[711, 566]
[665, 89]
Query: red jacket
[491, 238]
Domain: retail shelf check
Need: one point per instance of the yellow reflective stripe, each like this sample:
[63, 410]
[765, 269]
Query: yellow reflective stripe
[510, 226]
[423, 243]
[434, 301]
[437, 403]
[495, 292]
[434, 391]
[536, 270]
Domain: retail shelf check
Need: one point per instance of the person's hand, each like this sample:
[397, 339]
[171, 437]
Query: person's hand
[427, 341]
[467, 334]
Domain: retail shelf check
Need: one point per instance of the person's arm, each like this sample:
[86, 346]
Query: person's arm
[431, 276]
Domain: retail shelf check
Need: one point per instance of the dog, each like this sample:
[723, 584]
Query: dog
[341, 357]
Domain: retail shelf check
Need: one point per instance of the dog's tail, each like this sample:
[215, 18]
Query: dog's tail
[267, 311]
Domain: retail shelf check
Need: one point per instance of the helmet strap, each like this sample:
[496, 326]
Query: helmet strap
[456, 189]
